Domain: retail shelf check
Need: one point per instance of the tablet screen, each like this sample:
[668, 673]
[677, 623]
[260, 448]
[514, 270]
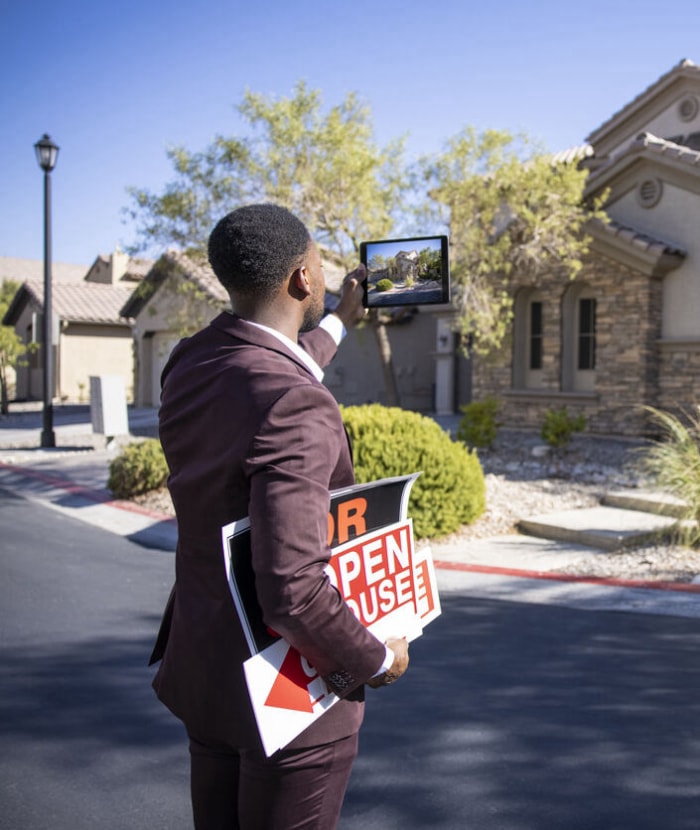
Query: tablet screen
[410, 271]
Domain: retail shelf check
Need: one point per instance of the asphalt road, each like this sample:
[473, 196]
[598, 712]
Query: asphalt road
[513, 716]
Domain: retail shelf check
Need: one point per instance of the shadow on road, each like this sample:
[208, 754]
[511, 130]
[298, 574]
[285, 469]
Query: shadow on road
[527, 717]
[94, 692]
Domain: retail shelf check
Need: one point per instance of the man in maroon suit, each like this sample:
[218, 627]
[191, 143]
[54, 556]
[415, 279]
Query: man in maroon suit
[248, 429]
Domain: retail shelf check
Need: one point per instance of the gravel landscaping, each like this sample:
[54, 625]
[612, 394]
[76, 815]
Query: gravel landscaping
[525, 478]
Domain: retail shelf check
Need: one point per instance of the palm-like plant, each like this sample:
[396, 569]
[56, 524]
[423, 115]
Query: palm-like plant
[673, 461]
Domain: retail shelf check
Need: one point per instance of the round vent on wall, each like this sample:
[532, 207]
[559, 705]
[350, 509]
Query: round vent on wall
[688, 108]
[649, 192]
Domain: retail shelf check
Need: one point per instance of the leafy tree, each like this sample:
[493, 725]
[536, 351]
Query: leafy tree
[12, 349]
[326, 169]
[509, 210]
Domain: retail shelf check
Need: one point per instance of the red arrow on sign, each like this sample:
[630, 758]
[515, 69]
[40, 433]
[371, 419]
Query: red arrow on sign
[291, 687]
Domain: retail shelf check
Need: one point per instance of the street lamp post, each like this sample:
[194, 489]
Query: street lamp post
[46, 154]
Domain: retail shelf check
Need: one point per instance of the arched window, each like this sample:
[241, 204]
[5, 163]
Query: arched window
[528, 339]
[579, 339]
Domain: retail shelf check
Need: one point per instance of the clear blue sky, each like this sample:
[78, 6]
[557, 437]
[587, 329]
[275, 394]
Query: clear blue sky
[116, 83]
[387, 249]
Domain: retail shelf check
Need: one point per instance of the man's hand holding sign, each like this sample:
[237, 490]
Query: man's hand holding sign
[398, 667]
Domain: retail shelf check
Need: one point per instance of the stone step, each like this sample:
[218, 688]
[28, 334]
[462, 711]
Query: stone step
[646, 501]
[606, 528]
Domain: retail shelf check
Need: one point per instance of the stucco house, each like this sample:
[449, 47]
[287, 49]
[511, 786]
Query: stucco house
[177, 296]
[90, 337]
[626, 332]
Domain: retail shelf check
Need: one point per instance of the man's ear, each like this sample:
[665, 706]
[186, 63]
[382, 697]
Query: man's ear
[300, 280]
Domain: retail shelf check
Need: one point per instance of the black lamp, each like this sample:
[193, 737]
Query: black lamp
[46, 154]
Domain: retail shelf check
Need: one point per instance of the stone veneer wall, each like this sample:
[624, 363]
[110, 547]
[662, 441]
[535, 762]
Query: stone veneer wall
[628, 358]
[679, 385]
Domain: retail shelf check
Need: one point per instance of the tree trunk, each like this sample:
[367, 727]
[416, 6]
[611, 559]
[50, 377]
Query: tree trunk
[385, 358]
[4, 403]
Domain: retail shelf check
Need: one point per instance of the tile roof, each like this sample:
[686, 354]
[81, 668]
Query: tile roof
[664, 147]
[201, 274]
[170, 263]
[14, 268]
[572, 154]
[138, 268]
[648, 145]
[637, 239]
[684, 67]
[81, 302]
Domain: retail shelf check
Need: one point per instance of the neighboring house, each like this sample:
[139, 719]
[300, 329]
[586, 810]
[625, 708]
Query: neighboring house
[179, 296]
[90, 337]
[176, 297]
[626, 332]
[20, 270]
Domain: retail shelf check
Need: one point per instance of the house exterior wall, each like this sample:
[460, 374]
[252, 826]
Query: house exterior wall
[355, 375]
[675, 219]
[80, 350]
[86, 350]
[154, 339]
[28, 381]
[627, 355]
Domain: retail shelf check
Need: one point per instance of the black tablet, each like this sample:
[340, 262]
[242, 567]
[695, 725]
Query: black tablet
[414, 270]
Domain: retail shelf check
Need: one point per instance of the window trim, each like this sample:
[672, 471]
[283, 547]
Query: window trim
[574, 379]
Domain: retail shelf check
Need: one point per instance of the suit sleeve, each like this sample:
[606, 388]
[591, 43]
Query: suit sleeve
[290, 467]
[319, 344]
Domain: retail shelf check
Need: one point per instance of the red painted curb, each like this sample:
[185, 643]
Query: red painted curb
[682, 587]
[86, 492]
[103, 498]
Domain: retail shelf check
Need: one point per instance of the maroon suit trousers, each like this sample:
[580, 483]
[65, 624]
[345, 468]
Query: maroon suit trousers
[300, 789]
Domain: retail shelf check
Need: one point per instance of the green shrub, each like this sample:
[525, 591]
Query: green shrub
[388, 441]
[674, 462]
[139, 469]
[479, 426]
[559, 426]
[384, 285]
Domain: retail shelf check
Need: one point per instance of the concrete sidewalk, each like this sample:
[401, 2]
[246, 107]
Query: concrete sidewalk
[72, 478]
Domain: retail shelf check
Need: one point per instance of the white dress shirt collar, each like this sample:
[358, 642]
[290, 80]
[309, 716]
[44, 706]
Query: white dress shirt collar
[305, 357]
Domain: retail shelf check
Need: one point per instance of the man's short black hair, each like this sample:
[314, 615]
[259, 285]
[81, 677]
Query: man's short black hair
[254, 248]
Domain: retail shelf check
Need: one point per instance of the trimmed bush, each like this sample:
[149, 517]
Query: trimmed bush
[479, 426]
[384, 285]
[559, 426]
[139, 469]
[388, 441]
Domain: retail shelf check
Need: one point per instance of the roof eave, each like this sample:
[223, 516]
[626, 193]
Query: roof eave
[683, 69]
[653, 258]
[22, 298]
[636, 153]
[148, 286]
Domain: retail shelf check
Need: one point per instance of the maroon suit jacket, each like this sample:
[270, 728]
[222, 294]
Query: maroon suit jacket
[248, 431]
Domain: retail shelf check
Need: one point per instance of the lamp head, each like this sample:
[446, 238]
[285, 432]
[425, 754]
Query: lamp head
[46, 153]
